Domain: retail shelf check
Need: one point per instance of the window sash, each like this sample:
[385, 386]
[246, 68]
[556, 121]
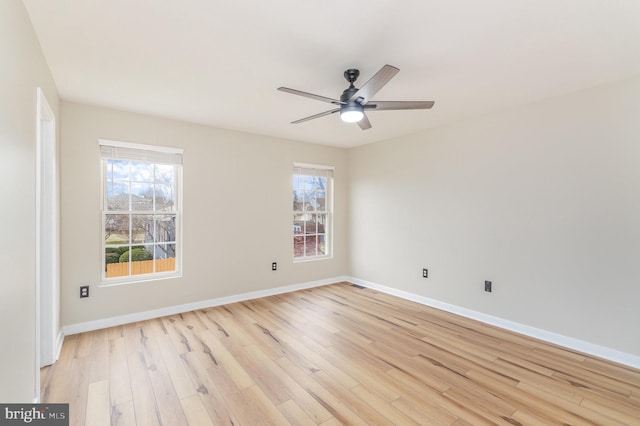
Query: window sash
[162, 241]
[319, 243]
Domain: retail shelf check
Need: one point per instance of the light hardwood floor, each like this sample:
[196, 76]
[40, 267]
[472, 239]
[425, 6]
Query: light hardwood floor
[332, 355]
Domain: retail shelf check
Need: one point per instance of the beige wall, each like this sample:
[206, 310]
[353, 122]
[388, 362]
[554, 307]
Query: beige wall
[543, 200]
[22, 70]
[237, 213]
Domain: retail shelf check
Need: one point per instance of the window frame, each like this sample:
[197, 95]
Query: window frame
[308, 169]
[153, 155]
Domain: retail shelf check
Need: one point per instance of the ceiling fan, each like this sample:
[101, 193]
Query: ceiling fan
[354, 102]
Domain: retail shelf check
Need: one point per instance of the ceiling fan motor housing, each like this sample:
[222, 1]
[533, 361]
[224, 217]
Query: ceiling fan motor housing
[346, 95]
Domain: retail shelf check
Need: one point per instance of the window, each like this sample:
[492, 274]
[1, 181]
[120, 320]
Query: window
[141, 189]
[312, 206]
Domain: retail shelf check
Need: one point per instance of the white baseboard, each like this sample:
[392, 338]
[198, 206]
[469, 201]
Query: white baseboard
[187, 307]
[547, 336]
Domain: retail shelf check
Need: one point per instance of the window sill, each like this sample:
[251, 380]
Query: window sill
[111, 282]
[311, 259]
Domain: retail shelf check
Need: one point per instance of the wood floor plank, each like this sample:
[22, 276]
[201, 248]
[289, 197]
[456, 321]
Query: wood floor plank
[531, 400]
[195, 411]
[294, 414]
[279, 386]
[383, 407]
[176, 368]
[565, 408]
[332, 355]
[83, 345]
[119, 381]
[305, 398]
[123, 414]
[144, 402]
[227, 361]
[76, 389]
[313, 351]
[209, 392]
[165, 394]
[98, 407]
[422, 411]
[99, 354]
[268, 413]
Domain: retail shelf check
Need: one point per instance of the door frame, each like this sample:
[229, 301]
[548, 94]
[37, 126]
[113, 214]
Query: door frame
[47, 294]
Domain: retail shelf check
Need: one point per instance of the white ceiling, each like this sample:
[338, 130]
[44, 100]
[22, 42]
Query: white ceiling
[219, 62]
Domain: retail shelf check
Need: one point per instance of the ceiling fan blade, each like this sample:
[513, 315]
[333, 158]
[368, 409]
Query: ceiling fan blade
[311, 95]
[311, 117]
[374, 84]
[364, 123]
[390, 105]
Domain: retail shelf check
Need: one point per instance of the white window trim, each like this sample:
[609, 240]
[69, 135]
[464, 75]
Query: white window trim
[309, 167]
[297, 165]
[143, 147]
[156, 276]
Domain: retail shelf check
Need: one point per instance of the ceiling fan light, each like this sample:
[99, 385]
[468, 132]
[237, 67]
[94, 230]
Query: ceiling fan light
[351, 113]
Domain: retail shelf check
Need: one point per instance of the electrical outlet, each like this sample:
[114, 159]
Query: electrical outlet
[274, 266]
[84, 291]
[425, 273]
[487, 286]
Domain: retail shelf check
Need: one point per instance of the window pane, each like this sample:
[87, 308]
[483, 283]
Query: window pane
[165, 250]
[113, 266]
[117, 170]
[165, 174]
[307, 188]
[322, 244]
[321, 220]
[141, 196]
[298, 246]
[141, 172]
[165, 198]
[320, 200]
[116, 229]
[165, 255]
[314, 183]
[311, 227]
[142, 260]
[310, 245]
[307, 182]
[141, 228]
[117, 196]
[298, 199]
[298, 224]
[165, 228]
[320, 183]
